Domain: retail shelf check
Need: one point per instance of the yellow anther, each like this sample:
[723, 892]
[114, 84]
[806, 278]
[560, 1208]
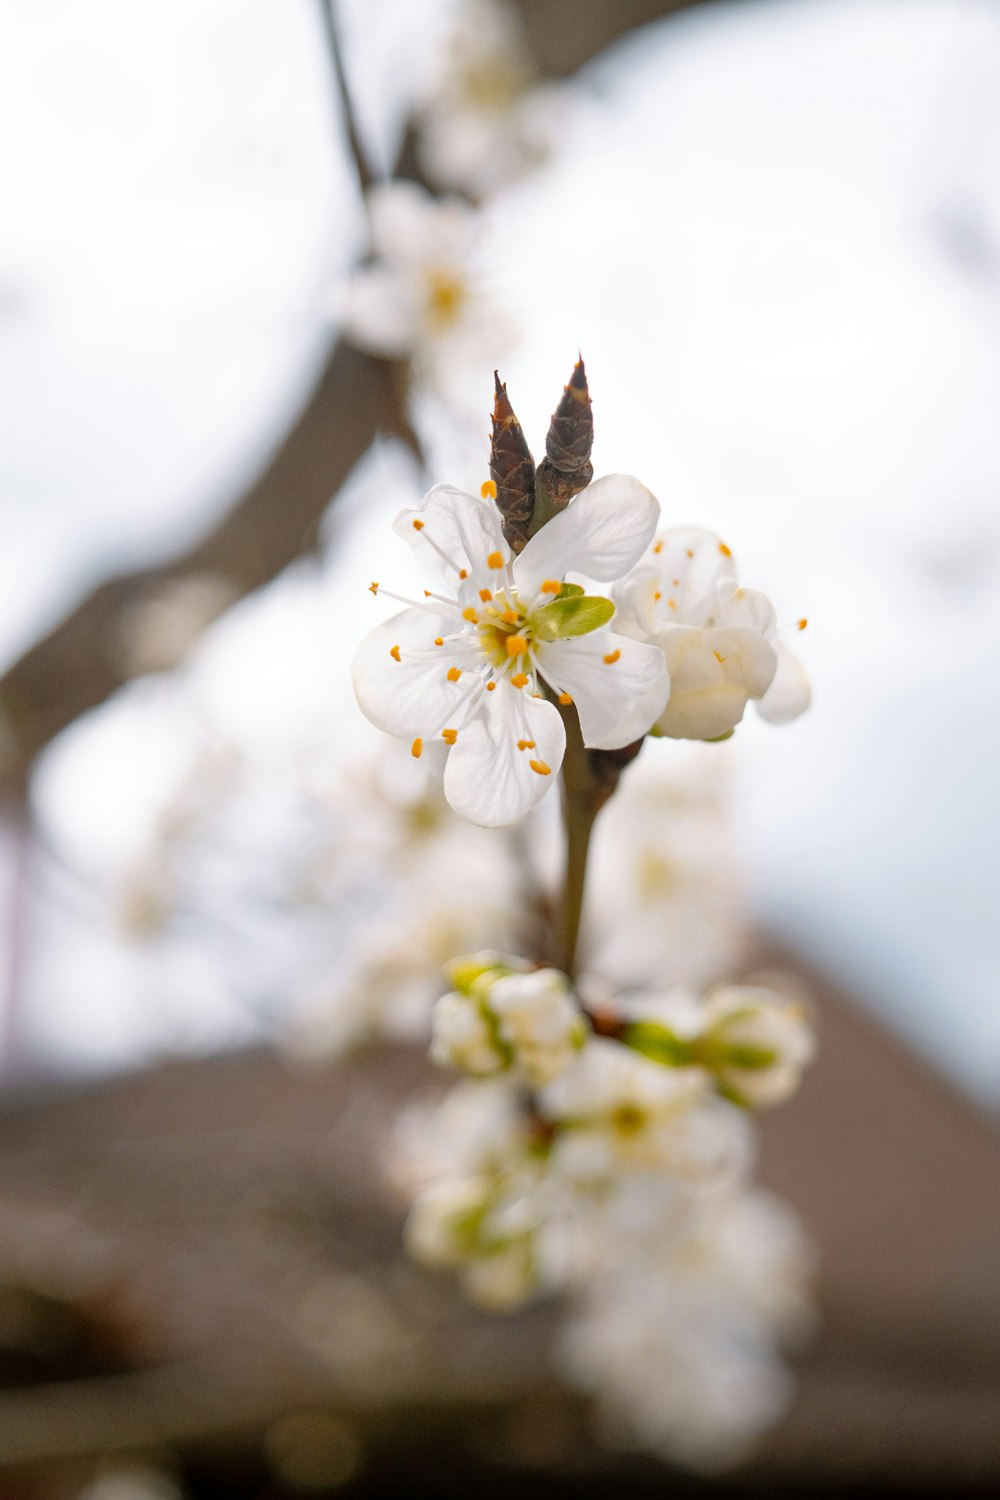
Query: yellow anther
[724, 550]
[519, 680]
[565, 699]
[488, 489]
[657, 547]
[510, 617]
[657, 595]
[418, 525]
[612, 657]
[454, 673]
[671, 603]
[676, 583]
[801, 624]
[491, 687]
[439, 640]
[689, 552]
[551, 586]
[463, 572]
[449, 736]
[470, 615]
[373, 588]
[495, 560]
[526, 744]
[516, 645]
[394, 653]
[416, 749]
[428, 594]
[719, 658]
[486, 595]
[541, 768]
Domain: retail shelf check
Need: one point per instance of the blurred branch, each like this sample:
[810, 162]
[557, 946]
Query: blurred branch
[366, 177]
[84, 659]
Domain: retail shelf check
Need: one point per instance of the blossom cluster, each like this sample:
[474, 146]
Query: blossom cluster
[607, 1155]
[678, 649]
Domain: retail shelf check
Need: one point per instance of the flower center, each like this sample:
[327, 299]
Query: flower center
[504, 631]
[447, 295]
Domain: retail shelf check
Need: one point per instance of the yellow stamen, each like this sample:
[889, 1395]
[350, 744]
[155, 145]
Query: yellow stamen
[516, 645]
[801, 624]
[495, 560]
[449, 736]
[418, 525]
[565, 699]
[551, 586]
[439, 640]
[612, 657]
[510, 617]
[463, 572]
[416, 749]
[488, 489]
[724, 550]
[540, 767]
[394, 653]
[671, 603]
[470, 615]
[486, 595]
[526, 744]
[454, 673]
[428, 594]
[689, 552]
[373, 588]
[719, 659]
[657, 547]
[491, 687]
[519, 680]
[657, 595]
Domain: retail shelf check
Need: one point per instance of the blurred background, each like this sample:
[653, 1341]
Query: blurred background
[773, 229]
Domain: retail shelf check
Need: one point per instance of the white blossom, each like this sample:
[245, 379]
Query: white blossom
[527, 1022]
[756, 1043]
[720, 641]
[486, 121]
[615, 1113]
[421, 296]
[468, 668]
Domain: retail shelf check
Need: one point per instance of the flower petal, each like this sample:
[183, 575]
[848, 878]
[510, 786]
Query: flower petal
[748, 609]
[619, 686]
[488, 779]
[455, 532]
[713, 673]
[789, 694]
[691, 564]
[410, 696]
[381, 311]
[602, 533]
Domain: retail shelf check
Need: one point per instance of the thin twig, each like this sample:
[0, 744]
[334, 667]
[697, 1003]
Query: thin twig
[366, 177]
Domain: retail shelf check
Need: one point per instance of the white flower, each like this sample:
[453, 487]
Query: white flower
[720, 641]
[421, 288]
[485, 1229]
[486, 122]
[468, 667]
[498, 1020]
[756, 1043]
[616, 1112]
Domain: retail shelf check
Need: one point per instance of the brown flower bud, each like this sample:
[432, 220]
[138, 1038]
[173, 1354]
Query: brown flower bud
[566, 468]
[512, 469]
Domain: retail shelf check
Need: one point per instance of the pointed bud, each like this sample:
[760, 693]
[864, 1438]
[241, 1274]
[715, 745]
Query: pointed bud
[512, 469]
[566, 468]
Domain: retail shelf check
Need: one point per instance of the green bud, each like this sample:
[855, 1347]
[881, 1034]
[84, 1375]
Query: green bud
[577, 615]
[659, 1044]
[469, 976]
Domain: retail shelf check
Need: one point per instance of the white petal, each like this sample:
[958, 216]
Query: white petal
[382, 311]
[691, 563]
[618, 700]
[456, 532]
[789, 694]
[487, 778]
[635, 600]
[410, 697]
[400, 215]
[746, 608]
[713, 673]
[602, 533]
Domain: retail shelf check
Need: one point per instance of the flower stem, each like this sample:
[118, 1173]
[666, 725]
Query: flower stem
[580, 809]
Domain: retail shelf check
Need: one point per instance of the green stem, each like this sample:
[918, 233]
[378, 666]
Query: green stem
[580, 808]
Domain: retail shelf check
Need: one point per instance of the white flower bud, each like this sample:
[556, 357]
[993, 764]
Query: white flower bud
[540, 1022]
[442, 1228]
[756, 1043]
[463, 1038]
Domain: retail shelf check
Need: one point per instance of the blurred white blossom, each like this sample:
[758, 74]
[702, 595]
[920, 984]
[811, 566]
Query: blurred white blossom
[498, 1019]
[720, 641]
